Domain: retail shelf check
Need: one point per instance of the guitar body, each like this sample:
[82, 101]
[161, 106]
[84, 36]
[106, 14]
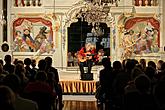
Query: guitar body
[85, 57]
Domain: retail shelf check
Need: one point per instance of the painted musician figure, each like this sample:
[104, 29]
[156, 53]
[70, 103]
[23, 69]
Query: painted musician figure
[86, 58]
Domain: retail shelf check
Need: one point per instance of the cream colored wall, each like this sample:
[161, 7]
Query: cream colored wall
[61, 8]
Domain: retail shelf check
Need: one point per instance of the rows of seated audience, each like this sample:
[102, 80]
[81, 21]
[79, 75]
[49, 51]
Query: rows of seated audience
[127, 85]
[23, 86]
[131, 85]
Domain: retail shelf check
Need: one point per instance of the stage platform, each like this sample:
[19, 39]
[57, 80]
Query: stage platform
[71, 83]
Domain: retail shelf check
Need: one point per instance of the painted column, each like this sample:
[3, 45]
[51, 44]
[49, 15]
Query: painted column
[1, 27]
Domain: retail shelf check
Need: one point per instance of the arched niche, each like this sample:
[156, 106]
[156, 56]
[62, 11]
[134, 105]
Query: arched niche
[79, 33]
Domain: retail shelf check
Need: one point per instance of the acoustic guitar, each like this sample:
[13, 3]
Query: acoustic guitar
[88, 56]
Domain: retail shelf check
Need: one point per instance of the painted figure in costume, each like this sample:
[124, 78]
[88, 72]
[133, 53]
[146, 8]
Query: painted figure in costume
[19, 44]
[127, 45]
[43, 42]
[41, 36]
[28, 39]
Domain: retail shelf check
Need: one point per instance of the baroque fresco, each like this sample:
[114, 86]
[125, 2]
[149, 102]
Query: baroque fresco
[32, 35]
[141, 36]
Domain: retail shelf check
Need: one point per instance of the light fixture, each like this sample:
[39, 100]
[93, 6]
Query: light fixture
[95, 12]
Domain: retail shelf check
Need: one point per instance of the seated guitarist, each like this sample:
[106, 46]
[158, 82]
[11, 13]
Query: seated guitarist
[85, 57]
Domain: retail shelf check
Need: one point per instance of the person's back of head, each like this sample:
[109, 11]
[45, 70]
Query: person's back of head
[12, 81]
[33, 63]
[42, 64]
[150, 72]
[135, 61]
[41, 76]
[48, 61]
[1, 62]
[163, 66]
[117, 65]
[152, 64]
[27, 61]
[124, 64]
[7, 98]
[159, 64]
[19, 69]
[142, 83]
[106, 62]
[136, 72]
[130, 64]
[15, 61]
[143, 63]
[8, 59]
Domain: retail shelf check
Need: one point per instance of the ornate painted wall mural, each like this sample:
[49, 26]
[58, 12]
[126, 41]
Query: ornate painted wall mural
[140, 36]
[33, 35]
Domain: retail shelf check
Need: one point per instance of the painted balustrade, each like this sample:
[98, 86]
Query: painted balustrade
[145, 2]
[27, 3]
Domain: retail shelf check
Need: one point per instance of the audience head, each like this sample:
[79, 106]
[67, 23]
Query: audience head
[124, 64]
[150, 72]
[42, 64]
[48, 61]
[142, 62]
[7, 98]
[8, 59]
[117, 65]
[1, 62]
[15, 61]
[152, 64]
[142, 83]
[20, 62]
[136, 72]
[135, 61]
[41, 76]
[33, 63]
[19, 69]
[163, 66]
[159, 64]
[106, 62]
[130, 64]
[13, 81]
[27, 61]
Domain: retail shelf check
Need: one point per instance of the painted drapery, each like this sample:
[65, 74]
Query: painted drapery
[33, 35]
[141, 36]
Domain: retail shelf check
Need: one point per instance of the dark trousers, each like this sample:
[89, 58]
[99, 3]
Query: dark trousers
[88, 64]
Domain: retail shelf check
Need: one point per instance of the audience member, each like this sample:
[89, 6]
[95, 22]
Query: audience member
[152, 64]
[1, 62]
[30, 73]
[40, 92]
[8, 66]
[120, 83]
[7, 98]
[20, 72]
[106, 80]
[58, 88]
[129, 85]
[142, 62]
[159, 93]
[42, 65]
[20, 103]
[2, 74]
[33, 64]
[70, 59]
